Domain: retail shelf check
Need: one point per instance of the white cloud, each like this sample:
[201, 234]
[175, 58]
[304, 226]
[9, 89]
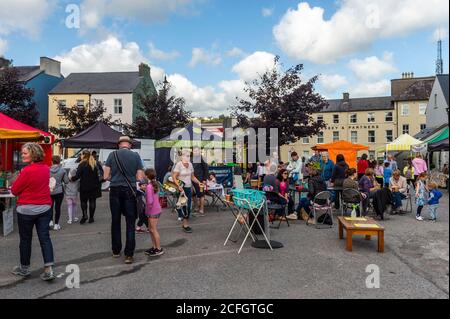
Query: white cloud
[440, 33]
[3, 46]
[369, 89]
[147, 11]
[267, 12]
[161, 55]
[235, 52]
[253, 65]
[200, 55]
[25, 16]
[332, 82]
[372, 68]
[303, 33]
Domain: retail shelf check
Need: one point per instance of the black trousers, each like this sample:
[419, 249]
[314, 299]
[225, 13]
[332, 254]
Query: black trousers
[57, 200]
[84, 200]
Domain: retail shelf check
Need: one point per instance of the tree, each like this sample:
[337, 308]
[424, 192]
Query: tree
[281, 100]
[78, 119]
[160, 114]
[16, 100]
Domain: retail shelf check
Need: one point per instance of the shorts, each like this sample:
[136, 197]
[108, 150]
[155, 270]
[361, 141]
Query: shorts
[198, 194]
[154, 216]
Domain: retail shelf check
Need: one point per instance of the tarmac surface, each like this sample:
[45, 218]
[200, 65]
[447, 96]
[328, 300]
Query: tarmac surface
[312, 264]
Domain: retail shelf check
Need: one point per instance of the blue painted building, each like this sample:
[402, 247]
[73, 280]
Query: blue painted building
[42, 79]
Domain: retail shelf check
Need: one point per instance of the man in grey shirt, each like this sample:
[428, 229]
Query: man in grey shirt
[122, 199]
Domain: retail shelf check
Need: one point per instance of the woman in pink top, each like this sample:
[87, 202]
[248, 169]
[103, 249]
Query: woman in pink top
[283, 177]
[153, 212]
[420, 166]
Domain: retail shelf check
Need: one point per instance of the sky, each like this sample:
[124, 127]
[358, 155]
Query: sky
[208, 49]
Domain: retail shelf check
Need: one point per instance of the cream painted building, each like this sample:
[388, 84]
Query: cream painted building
[373, 121]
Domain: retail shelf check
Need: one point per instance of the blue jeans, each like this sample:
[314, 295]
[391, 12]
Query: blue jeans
[122, 202]
[26, 224]
[185, 212]
[433, 211]
[305, 204]
[398, 199]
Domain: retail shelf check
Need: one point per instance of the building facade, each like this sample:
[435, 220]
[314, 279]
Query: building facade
[373, 121]
[437, 107]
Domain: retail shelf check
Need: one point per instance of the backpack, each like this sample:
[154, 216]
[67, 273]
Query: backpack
[52, 184]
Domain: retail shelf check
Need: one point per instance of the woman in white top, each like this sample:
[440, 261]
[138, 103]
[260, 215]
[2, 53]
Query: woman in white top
[184, 171]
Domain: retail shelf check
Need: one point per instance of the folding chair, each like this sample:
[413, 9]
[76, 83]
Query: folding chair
[408, 199]
[322, 207]
[273, 205]
[351, 197]
[171, 197]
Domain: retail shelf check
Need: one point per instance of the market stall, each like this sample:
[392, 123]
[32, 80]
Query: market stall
[348, 149]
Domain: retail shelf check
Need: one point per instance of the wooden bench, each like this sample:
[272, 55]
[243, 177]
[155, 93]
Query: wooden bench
[356, 227]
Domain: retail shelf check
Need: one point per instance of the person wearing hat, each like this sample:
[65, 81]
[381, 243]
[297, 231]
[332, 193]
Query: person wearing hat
[123, 169]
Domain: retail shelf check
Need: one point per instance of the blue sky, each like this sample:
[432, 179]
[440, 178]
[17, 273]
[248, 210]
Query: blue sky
[357, 46]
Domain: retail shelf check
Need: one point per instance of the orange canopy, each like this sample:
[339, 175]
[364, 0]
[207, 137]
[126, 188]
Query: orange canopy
[349, 150]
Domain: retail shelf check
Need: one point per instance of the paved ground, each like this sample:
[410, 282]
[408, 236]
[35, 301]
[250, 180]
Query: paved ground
[312, 264]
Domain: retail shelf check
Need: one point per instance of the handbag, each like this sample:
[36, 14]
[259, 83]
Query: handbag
[133, 191]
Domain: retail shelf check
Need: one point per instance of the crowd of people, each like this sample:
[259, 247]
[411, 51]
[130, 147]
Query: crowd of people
[134, 193]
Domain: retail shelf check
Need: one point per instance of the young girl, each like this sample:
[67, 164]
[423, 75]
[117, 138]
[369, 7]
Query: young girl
[153, 212]
[420, 194]
[433, 200]
[71, 191]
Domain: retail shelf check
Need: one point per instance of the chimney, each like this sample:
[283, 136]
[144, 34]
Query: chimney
[346, 96]
[50, 66]
[144, 70]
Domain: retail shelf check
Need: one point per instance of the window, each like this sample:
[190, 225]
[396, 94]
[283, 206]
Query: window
[61, 104]
[306, 140]
[99, 102]
[306, 154]
[62, 126]
[336, 118]
[388, 117]
[423, 126]
[405, 110]
[371, 137]
[389, 136]
[80, 104]
[354, 136]
[405, 129]
[371, 154]
[320, 138]
[117, 106]
[319, 118]
[371, 117]
[353, 118]
[335, 136]
[422, 108]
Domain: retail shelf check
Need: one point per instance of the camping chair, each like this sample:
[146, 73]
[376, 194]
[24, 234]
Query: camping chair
[356, 199]
[322, 210]
[272, 205]
[171, 197]
[408, 199]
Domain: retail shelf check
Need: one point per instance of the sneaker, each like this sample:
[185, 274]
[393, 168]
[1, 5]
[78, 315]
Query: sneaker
[139, 230]
[115, 255]
[75, 219]
[187, 229]
[419, 218]
[56, 227]
[180, 219]
[201, 214]
[433, 220]
[48, 276]
[51, 224]
[292, 216]
[149, 252]
[21, 271]
[156, 252]
[128, 260]
[69, 221]
[91, 220]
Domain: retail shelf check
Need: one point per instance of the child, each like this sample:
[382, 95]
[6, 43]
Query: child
[71, 191]
[420, 194]
[387, 173]
[153, 212]
[211, 182]
[433, 200]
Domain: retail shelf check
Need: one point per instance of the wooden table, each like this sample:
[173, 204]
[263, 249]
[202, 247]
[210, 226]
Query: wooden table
[356, 227]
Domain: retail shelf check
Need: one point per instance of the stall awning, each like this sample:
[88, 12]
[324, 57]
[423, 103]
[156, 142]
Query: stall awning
[439, 137]
[403, 143]
[7, 134]
[13, 129]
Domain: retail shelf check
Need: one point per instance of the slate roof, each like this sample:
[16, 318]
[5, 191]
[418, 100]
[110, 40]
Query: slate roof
[443, 81]
[360, 104]
[416, 89]
[98, 83]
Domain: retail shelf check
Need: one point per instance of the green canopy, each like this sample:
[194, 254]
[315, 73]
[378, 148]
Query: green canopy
[439, 137]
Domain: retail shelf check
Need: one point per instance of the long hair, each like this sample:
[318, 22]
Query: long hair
[89, 159]
[151, 175]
